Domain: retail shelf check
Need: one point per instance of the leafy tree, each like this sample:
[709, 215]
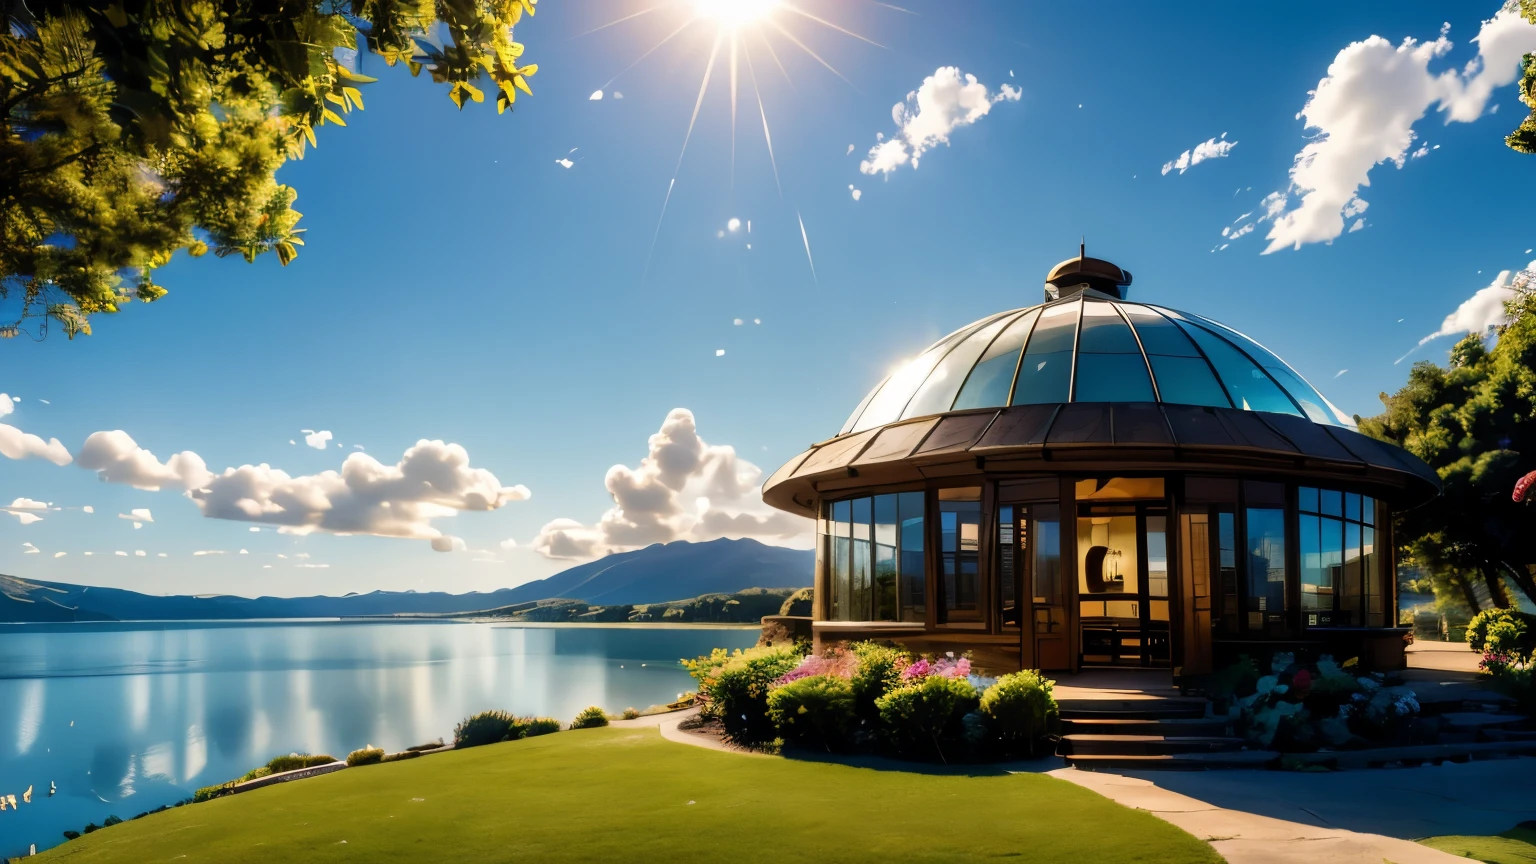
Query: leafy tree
[1475, 424]
[1523, 138]
[137, 128]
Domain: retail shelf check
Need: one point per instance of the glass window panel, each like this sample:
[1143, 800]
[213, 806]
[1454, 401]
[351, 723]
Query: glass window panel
[887, 405]
[1226, 555]
[1251, 389]
[1112, 378]
[1350, 590]
[1306, 499]
[1104, 331]
[987, 386]
[1157, 557]
[1159, 335]
[1316, 581]
[1047, 555]
[1317, 408]
[1008, 566]
[859, 593]
[1187, 381]
[859, 411]
[885, 558]
[1352, 506]
[837, 570]
[1266, 567]
[1369, 517]
[1375, 607]
[909, 508]
[1045, 375]
[1333, 502]
[938, 392]
[960, 536]
[1332, 557]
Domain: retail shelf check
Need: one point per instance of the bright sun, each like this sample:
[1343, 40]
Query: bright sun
[735, 13]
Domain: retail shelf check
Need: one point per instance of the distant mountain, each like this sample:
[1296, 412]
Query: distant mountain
[655, 574]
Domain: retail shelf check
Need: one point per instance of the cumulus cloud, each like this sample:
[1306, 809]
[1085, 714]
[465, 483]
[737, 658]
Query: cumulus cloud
[947, 100]
[6, 405]
[1215, 148]
[16, 444]
[117, 458]
[432, 480]
[597, 96]
[1364, 111]
[138, 516]
[683, 489]
[317, 440]
[1484, 310]
[856, 193]
[25, 510]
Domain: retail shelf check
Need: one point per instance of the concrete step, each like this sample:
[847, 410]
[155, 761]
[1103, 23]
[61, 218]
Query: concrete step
[1173, 762]
[1132, 709]
[1146, 745]
[1177, 726]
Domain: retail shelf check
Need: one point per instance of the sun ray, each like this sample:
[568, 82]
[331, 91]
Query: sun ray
[630, 17]
[654, 237]
[703, 88]
[892, 6]
[803, 47]
[807, 240]
[664, 41]
[767, 136]
[733, 109]
[828, 24]
[775, 55]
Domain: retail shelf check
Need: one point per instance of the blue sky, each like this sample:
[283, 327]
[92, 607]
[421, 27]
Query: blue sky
[461, 285]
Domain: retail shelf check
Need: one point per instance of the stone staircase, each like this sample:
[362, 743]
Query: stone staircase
[1153, 733]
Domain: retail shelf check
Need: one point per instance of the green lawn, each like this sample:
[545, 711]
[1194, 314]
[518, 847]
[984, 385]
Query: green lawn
[1515, 846]
[628, 795]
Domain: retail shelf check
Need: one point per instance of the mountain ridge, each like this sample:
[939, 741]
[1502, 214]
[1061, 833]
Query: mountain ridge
[658, 573]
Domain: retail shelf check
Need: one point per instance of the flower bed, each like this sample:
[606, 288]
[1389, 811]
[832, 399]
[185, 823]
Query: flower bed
[870, 697]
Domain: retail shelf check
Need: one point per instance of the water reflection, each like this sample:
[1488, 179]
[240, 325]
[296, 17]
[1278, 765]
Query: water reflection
[127, 717]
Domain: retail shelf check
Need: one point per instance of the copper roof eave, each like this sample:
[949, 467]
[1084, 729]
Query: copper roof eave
[1408, 482]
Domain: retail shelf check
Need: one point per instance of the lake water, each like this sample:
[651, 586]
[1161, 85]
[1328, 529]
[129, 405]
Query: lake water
[125, 717]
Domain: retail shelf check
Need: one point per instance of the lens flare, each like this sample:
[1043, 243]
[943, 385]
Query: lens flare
[735, 13]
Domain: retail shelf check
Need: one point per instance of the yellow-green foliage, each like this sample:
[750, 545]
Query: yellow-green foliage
[734, 687]
[1021, 709]
[590, 718]
[816, 711]
[134, 130]
[919, 718]
[365, 756]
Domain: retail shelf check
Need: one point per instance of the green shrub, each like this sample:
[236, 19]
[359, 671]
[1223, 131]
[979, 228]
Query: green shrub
[431, 745]
[71, 835]
[816, 711]
[919, 718]
[401, 756]
[365, 756]
[590, 718]
[631, 714]
[879, 670]
[487, 727]
[208, 793]
[1021, 710]
[110, 821]
[295, 761]
[734, 688]
[1503, 631]
[255, 773]
[540, 726]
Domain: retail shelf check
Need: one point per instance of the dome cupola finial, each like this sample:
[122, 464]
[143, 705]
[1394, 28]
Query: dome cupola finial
[1075, 275]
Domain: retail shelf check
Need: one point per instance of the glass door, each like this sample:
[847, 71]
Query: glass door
[1030, 591]
[1123, 604]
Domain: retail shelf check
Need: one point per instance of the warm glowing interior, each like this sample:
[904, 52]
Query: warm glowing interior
[734, 13]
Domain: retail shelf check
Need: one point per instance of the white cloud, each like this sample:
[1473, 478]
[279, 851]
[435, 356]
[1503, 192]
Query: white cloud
[317, 440]
[22, 509]
[856, 193]
[733, 224]
[16, 444]
[564, 162]
[88, 509]
[137, 515]
[1364, 111]
[947, 100]
[139, 553]
[508, 543]
[1215, 148]
[447, 544]
[719, 352]
[117, 458]
[682, 489]
[7, 406]
[850, 150]
[597, 96]
[60, 554]
[120, 553]
[618, 95]
[1358, 225]
[1482, 311]
[29, 549]
[201, 552]
[1340, 373]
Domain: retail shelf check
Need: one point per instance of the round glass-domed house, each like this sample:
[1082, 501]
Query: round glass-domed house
[1094, 481]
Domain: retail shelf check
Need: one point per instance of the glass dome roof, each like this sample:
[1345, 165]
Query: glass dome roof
[1093, 348]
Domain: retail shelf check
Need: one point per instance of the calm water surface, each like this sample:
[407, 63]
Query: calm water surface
[127, 717]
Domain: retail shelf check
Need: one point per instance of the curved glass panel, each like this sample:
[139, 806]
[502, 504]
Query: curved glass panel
[1112, 378]
[1187, 381]
[887, 405]
[987, 386]
[863, 403]
[1110, 367]
[1250, 388]
[1158, 334]
[938, 392]
[1317, 408]
[1045, 375]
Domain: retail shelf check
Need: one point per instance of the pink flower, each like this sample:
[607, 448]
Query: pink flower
[919, 668]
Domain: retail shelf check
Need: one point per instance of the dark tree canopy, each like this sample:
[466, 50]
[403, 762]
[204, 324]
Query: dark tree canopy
[1524, 137]
[137, 128]
[1475, 424]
